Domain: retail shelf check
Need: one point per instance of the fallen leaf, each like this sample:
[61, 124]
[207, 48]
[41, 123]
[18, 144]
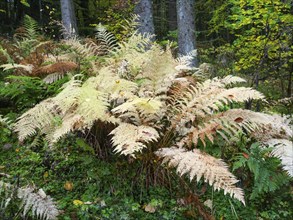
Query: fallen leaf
[149, 208]
[68, 185]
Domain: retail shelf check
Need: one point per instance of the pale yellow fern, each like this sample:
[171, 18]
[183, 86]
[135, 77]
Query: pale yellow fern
[129, 139]
[201, 165]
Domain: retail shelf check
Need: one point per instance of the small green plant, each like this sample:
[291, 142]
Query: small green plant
[266, 170]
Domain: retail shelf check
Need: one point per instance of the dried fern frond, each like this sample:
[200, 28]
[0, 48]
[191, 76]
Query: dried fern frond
[60, 67]
[51, 78]
[185, 62]
[228, 124]
[144, 105]
[204, 99]
[41, 205]
[29, 68]
[196, 163]
[89, 49]
[110, 83]
[283, 149]
[129, 139]
[35, 119]
[268, 126]
[38, 203]
[44, 115]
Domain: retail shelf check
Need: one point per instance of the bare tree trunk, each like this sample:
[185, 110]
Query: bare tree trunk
[289, 89]
[145, 11]
[172, 15]
[186, 27]
[41, 12]
[68, 18]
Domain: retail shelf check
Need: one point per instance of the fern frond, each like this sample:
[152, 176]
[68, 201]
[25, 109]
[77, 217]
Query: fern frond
[110, 83]
[144, 105]
[88, 49]
[129, 139]
[38, 203]
[44, 115]
[60, 67]
[185, 62]
[41, 205]
[283, 149]
[69, 124]
[107, 40]
[92, 104]
[199, 164]
[6, 55]
[51, 78]
[29, 68]
[131, 24]
[268, 126]
[31, 27]
[37, 118]
[228, 124]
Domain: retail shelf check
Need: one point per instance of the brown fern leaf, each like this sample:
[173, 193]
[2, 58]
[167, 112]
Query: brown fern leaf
[199, 164]
[61, 67]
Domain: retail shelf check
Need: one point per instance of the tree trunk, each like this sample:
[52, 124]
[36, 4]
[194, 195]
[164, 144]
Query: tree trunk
[172, 15]
[68, 18]
[289, 89]
[144, 9]
[186, 27]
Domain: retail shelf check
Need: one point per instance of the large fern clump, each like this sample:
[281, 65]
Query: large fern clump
[148, 94]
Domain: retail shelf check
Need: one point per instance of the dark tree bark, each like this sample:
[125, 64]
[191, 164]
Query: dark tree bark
[172, 15]
[186, 27]
[144, 9]
[68, 18]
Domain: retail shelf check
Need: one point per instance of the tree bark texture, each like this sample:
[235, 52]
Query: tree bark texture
[172, 15]
[186, 27]
[68, 18]
[144, 9]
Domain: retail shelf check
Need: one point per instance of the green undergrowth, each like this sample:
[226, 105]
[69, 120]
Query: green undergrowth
[88, 187]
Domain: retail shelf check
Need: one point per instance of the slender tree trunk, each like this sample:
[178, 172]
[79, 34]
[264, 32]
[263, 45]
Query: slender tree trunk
[186, 27]
[289, 89]
[68, 18]
[41, 12]
[172, 15]
[145, 12]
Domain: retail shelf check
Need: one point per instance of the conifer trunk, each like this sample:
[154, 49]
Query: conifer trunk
[186, 27]
[145, 11]
[68, 18]
[172, 15]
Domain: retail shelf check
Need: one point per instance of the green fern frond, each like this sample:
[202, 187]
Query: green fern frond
[31, 27]
[106, 39]
[131, 24]
[6, 54]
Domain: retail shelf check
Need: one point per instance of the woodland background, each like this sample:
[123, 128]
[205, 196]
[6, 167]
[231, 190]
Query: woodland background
[251, 39]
